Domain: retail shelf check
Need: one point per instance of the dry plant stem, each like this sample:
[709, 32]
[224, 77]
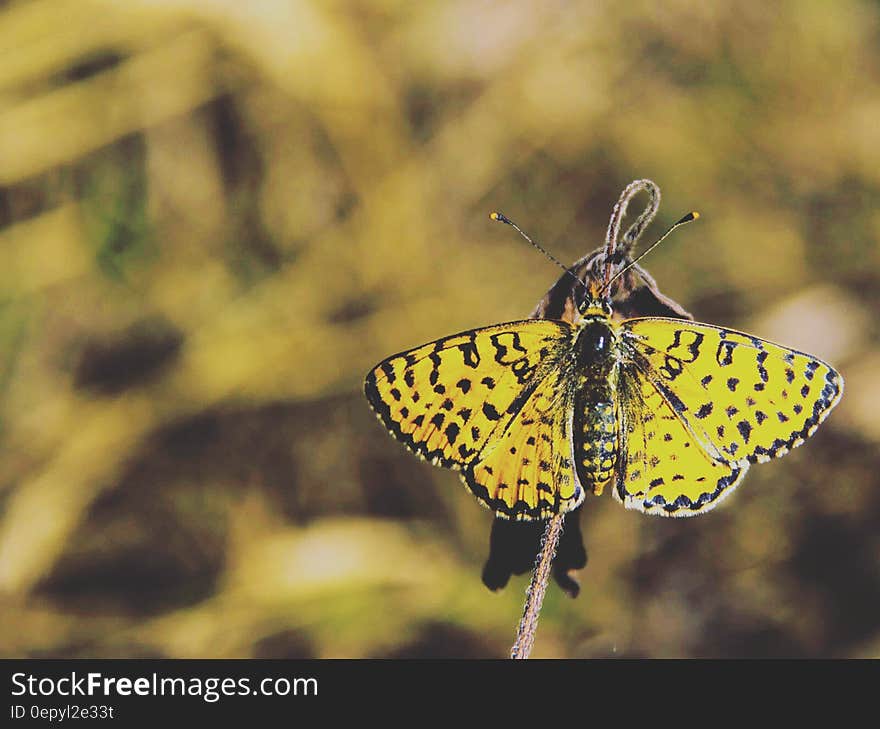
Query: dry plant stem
[525, 636]
[635, 230]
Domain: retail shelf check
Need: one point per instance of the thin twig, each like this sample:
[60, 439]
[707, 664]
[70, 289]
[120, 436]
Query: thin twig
[525, 635]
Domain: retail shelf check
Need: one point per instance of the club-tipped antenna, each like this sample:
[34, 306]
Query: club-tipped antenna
[690, 217]
[501, 218]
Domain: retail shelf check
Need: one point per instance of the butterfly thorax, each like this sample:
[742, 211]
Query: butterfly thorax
[595, 413]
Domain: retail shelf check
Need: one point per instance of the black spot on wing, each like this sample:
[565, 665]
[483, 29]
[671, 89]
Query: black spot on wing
[388, 369]
[762, 371]
[435, 370]
[470, 353]
[724, 353]
[704, 411]
[451, 432]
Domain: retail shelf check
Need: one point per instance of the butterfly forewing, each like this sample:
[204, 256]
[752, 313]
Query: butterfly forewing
[451, 399]
[744, 399]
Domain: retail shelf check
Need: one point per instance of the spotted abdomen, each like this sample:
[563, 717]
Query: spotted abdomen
[596, 439]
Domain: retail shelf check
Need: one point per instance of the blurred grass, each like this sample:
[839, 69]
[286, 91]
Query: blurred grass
[216, 217]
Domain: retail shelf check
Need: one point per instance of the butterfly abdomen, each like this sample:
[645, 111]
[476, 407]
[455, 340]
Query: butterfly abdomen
[596, 437]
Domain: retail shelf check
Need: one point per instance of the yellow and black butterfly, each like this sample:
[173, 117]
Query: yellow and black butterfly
[670, 412]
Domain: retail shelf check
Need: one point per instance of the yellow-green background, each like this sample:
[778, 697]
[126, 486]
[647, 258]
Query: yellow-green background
[217, 216]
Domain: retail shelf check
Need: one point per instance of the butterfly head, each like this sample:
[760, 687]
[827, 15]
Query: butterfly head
[595, 305]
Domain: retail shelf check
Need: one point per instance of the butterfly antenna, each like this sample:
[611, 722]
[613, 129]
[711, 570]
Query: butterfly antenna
[501, 218]
[690, 217]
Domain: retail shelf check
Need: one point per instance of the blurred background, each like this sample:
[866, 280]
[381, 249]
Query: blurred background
[215, 217]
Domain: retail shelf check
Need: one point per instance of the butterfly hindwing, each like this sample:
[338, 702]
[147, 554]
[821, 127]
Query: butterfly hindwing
[447, 400]
[527, 472]
[743, 399]
[662, 468]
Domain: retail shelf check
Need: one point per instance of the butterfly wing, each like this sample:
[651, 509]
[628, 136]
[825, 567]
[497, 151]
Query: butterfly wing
[662, 467]
[461, 400]
[527, 472]
[744, 399]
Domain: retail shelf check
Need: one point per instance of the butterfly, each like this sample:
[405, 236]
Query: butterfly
[669, 412]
